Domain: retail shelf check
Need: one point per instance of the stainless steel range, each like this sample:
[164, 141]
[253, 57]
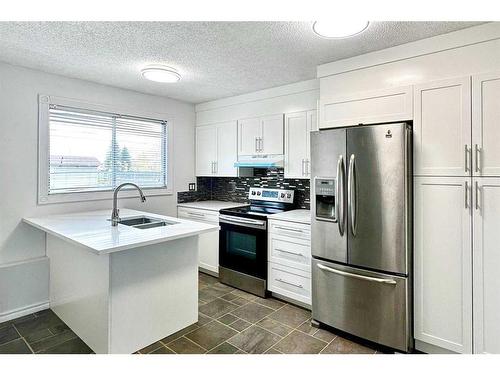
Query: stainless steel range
[361, 232]
[243, 239]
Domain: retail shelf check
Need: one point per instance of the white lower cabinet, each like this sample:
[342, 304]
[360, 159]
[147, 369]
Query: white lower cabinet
[486, 265]
[208, 243]
[289, 255]
[443, 263]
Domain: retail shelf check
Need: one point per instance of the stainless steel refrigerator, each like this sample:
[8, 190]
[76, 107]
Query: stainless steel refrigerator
[362, 232]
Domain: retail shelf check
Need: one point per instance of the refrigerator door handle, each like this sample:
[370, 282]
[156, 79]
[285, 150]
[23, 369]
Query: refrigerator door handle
[339, 194]
[351, 193]
[356, 276]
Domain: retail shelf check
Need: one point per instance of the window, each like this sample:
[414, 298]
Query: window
[88, 152]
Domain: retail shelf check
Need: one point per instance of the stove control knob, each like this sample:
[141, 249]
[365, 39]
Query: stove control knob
[258, 193]
[289, 195]
[282, 195]
[253, 192]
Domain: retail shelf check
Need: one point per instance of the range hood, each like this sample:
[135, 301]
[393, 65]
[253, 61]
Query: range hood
[265, 161]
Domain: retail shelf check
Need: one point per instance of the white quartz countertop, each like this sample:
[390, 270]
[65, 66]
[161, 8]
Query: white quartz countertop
[93, 230]
[211, 205]
[296, 216]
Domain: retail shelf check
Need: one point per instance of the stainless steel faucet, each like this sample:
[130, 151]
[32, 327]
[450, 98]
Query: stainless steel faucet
[115, 214]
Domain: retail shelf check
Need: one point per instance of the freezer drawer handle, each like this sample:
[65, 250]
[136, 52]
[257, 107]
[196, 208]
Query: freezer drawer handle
[289, 283]
[355, 276]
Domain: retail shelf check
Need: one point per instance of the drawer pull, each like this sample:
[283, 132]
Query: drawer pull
[356, 276]
[195, 214]
[289, 283]
[289, 252]
[289, 229]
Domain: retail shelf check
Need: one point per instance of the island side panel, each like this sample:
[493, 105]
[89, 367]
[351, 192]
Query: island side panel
[79, 291]
[154, 293]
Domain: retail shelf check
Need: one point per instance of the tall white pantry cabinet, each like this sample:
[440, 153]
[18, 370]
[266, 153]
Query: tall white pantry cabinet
[457, 214]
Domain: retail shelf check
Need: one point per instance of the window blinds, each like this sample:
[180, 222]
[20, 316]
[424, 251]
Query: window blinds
[95, 151]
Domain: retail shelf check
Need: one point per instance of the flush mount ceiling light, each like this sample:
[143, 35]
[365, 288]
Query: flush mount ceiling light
[160, 73]
[336, 29]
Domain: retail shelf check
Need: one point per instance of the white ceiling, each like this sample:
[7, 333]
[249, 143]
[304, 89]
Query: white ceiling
[216, 59]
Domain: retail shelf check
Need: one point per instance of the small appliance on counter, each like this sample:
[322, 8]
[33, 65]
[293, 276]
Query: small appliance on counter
[243, 239]
[362, 232]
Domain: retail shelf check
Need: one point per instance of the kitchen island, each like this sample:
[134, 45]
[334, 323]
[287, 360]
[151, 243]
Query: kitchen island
[122, 288]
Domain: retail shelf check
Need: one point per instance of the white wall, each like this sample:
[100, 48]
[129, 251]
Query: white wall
[300, 96]
[23, 268]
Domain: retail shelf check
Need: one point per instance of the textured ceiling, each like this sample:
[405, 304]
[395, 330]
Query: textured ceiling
[216, 59]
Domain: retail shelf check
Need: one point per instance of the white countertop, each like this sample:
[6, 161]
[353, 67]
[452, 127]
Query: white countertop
[211, 205]
[93, 230]
[296, 216]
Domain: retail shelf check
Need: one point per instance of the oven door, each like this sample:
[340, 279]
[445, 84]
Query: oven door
[243, 245]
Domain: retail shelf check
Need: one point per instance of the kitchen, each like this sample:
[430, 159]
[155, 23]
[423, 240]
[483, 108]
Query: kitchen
[355, 211]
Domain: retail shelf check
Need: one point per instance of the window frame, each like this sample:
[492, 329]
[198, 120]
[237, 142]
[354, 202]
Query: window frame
[44, 102]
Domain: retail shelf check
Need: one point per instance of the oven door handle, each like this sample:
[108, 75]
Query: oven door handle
[242, 221]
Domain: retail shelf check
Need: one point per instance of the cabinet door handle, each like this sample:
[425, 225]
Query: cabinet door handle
[289, 283]
[303, 170]
[477, 154]
[216, 167]
[477, 195]
[261, 144]
[466, 194]
[256, 144]
[466, 150]
[289, 229]
[289, 252]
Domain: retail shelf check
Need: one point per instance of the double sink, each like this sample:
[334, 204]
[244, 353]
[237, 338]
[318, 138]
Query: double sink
[145, 222]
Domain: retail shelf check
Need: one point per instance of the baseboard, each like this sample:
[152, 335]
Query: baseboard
[26, 310]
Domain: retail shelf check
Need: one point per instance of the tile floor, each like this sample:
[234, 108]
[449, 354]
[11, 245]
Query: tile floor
[230, 322]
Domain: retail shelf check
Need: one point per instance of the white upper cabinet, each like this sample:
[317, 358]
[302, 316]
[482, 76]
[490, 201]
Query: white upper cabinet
[227, 149]
[261, 136]
[442, 128]
[249, 134]
[386, 105]
[216, 150]
[486, 265]
[206, 150]
[486, 124]
[272, 135]
[298, 127]
[443, 262]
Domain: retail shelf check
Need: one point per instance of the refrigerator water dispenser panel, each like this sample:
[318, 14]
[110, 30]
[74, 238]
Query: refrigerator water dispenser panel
[324, 189]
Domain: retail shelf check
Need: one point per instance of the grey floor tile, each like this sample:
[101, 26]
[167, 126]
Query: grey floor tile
[343, 346]
[47, 320]
[306, 327]
[235, 299]
[51, 341]
[59, 329]
[275, 327]
[207, 279]
[324, 335]
[162, 350]
[227, 319]
[73, 346]
[254, 340]
[211, 335]
[184, 346]
[182, 332]
[299, 343]
[272, 351]
[240, 352]
[252, 312]
[291, 315]
[150, 348]
[217, 308]
[210, 293]
[240, 325]
[38, 335]
[222, 287]
[224, 348]
[243, 294]
[203, 319]
[17, 346]
[7, 334]
[272, 303]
